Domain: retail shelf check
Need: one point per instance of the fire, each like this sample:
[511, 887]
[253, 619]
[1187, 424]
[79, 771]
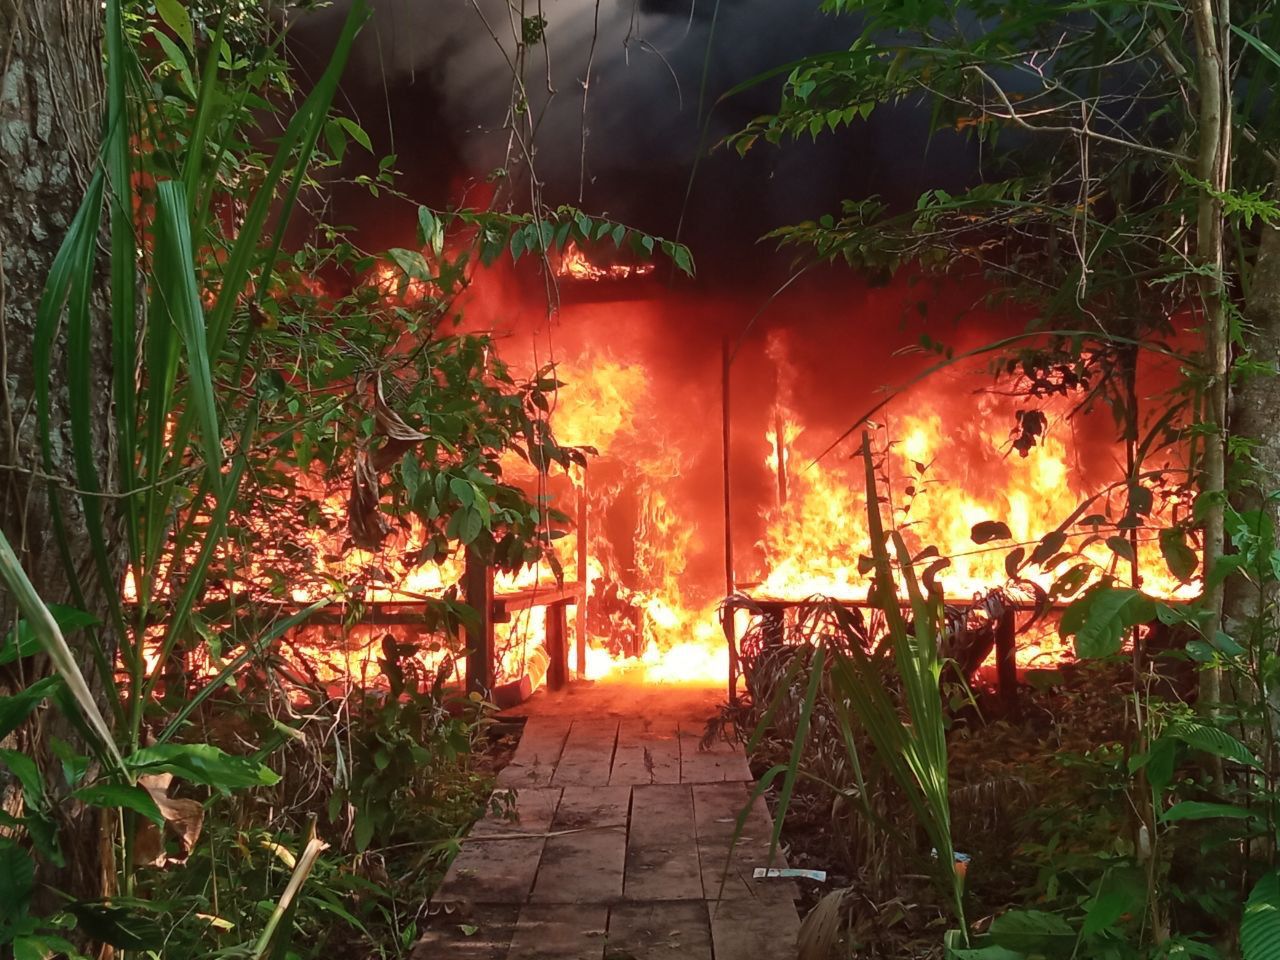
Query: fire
[653, 578]
[574, 265]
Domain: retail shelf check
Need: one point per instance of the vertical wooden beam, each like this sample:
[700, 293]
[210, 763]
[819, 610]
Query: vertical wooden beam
[477, 593]
[780, 450]
[730, 629]
[557, 645]
[584, 578]
[1007, 661]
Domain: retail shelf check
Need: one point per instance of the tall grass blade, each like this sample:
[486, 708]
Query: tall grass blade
[119, 161]
[45, 627]
[177, 291]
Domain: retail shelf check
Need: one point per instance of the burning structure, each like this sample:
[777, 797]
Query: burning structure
[718, 466]
[717, 417]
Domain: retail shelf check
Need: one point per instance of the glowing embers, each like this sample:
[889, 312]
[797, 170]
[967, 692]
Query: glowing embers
[575, 265]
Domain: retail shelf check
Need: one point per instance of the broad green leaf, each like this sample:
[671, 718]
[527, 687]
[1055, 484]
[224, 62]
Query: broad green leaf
[413, 263]
[121, 795]
[1200, 810]
[16, 708]
[355, 131]
[1182, 560]
[17, 880]
[125, 927]
[1122, 892]
[1211, 740]
[989, 952]
[1032, 931]
[1100, 618]
[1260, 925]
[43, 946]
[22, 641]
[175, 16]
[201, 763]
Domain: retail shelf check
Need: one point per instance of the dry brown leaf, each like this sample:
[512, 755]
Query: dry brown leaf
[365, 522]
[183, 820]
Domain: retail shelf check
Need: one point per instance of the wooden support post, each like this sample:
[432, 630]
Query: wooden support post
[558, 645]
[1007, 661]
[584, 579]
[780, 451]
[730, 629]
[477, 593]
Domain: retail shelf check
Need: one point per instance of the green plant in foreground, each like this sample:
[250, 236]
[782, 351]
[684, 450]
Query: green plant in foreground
[906, 726]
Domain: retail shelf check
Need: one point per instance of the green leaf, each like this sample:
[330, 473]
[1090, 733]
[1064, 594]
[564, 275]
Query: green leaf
[1122, 547]
[27, 773]
[1122, 891]
[176, 18]
[17, 880]
[1182, 560]
[201, 763]
[1211, 740]
[22, 641]
[1100, 618]
[430, 231]
[411, 262]
[179, 295]
[1260, 926]
[115, 795]
[463, 490]
[42, 946]
[119, 926]
[15, 709]
[1200, 810]
[355, 131]
[1032, 931]
[363, 831]
[990, 952]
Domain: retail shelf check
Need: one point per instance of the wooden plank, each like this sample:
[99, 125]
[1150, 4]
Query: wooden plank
[477, 593]
[548, 932]
[648, 752]
[659, 931]
[557, 645]
[726, 870]
[588, 753]
[761, 928]
[585, 857]
[480, 934]
[721, 762]
[542, 595]
[537, 753]
[662, 845]
[513, 812]
[492, 871]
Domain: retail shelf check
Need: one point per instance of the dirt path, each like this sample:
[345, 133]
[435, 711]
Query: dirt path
[620, 846]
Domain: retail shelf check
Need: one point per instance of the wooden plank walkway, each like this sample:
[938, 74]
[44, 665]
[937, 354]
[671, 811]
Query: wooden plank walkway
[616, 845]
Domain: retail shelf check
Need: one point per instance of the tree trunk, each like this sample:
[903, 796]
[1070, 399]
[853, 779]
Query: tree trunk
[50, 92]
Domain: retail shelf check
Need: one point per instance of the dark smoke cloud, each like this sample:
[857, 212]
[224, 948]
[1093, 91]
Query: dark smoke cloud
[429, 82]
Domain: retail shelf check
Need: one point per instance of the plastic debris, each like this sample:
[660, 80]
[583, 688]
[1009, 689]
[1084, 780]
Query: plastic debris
[788, 873]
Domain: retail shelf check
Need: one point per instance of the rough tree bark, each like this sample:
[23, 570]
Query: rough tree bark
[50, 91]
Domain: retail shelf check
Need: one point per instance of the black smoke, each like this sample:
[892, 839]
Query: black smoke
[429, 83]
